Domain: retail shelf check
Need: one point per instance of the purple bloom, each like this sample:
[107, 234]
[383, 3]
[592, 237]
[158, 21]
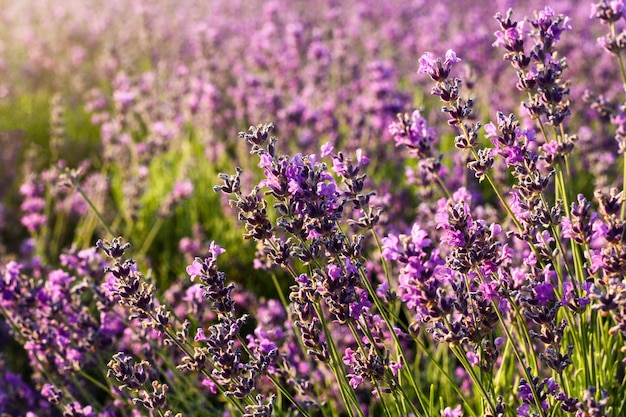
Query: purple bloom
[545, 22]
[182, 189]
[74, 409]
[498, 342]
[361, 158]
[215, 250]
[195, 269]
[414, 133]
[51, 393]
[473, 358]
[419, 237]
[509, 37]
[382, 291]
[391, 247]
[607, 12]
[327, 149]
[261, 342]
[523, 410]
[490, 130]
[265, 162]
[33, 204]
[551, 386]
[200, 336]
[452, 412]
[395, 367]
[489, 290]
[208, 383]
[525, 392]
[348, 357]
[434, 67]
[355, 380]
[360, 307]
[544, 293]
[33, 221]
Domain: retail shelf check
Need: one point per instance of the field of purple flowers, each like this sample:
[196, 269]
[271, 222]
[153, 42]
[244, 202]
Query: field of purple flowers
[294, 208]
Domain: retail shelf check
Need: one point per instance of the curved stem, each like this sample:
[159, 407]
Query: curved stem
[95, 210]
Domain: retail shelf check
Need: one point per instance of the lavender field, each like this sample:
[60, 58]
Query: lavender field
[322, 209]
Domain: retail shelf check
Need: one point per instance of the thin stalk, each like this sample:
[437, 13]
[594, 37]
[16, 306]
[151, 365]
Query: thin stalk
[620, 62]
[383, 260]
[95, 210]
[288, 395]
[348, 395]
[460, 355]
[423, 348]
[442, 185]
[622, 71]
[366, 330]
[150, 238]
[296, 329]
[559, 245]
[94, 381]
[528, 345]
[504, 203]
[529, 377]
[275, 381]
[15, 329]
[390, 326]
[206, 373]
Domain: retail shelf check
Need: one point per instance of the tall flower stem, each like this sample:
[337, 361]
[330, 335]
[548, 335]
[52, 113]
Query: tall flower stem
[622, 71]
[347, 392]
[383, 312]
[95, 210]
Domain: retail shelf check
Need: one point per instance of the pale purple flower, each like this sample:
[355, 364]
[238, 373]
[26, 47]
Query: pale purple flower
[182, 189]
[195, 269]
[208, 383]
[510, 35]
[544, 293]
[489, 290]
[473, 358]
[215, 250]
[200, 336]
[452, 412]
[327, 149]
[610, 11]
[419, 237]
[434, 67]
[357, 309]
[523, 410]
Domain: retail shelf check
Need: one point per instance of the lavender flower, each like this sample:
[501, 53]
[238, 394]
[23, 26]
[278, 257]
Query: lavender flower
[539, 71]
[32, 206]
[452, 412]
[435, 68]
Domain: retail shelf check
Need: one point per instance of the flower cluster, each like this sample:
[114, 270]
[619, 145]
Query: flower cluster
[478, 272]
[33, 205]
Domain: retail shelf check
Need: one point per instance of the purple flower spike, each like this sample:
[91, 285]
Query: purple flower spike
[607, 12]
[435, 68]
[544, 293]
[452, 412]
[195, 269]
[473, 358]
[215, 250]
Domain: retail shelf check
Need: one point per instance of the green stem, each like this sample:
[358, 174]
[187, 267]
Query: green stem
[528, 344]
[460, 355]
[95, 210]
[348, 395]
[150, 238]
[622, 70]
[529, 377]
[204, 371]
[419, 394]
